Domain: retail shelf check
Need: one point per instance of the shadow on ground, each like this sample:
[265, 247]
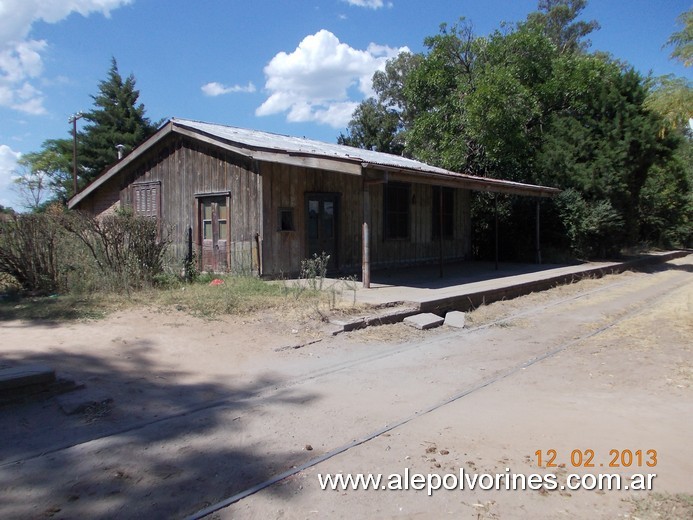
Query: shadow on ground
[428, 277]
[160, 449]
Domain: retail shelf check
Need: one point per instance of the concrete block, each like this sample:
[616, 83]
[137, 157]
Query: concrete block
[424, 321]
[455, 319]
[26, 375]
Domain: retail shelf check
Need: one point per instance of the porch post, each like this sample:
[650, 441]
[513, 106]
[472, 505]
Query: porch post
[365, 240]
[538, 232]
[495, 212]
[440, 228]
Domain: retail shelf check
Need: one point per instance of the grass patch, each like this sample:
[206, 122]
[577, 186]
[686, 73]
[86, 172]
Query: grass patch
[236, 295]
[52, 308]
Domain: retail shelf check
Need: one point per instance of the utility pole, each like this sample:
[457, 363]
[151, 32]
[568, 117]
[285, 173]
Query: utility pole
[73, 119]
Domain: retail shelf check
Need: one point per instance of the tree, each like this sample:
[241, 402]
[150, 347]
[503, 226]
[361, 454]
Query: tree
[46, 176]
[529, 103]
[116, 119]
[31, 183]
[373, 128]
[672, 99]
[380, 123]
[558, 20]
[682, 40]
[608, 142]
[435, 94]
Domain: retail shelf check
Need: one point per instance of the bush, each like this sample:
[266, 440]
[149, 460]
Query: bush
[594, 228]
[29, 252]
[129, 251]
[71, 252]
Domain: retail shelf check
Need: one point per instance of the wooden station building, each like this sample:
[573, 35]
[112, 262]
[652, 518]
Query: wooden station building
[255, 202]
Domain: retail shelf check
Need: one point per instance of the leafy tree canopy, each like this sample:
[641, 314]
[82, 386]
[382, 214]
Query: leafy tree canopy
[529, 103]
[682, 40]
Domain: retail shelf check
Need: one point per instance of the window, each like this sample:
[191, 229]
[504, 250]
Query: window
[146, 199]
[448, 212]
[286, 219]
[396, 210]
[214, 208]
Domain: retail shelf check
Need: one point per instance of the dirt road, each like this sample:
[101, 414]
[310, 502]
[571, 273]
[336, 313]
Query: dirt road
[203, 411]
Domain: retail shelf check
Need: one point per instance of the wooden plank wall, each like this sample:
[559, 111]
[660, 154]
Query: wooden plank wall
[104, 201]
[187, 169]
[420, 247]
[285, 187]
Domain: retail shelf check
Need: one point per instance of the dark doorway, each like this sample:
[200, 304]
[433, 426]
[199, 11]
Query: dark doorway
[322, 219]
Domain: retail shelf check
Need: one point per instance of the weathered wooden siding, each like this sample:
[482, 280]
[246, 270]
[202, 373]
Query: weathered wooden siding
[104, 201]
[286, 186]
[420, 247]
[187, 170]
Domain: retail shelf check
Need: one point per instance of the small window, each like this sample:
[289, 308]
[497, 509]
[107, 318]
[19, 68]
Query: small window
[286, 219]
[448, 213]
[396, 211]
[146, 199]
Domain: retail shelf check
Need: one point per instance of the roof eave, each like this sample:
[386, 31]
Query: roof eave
[460, 180]
[113, 170]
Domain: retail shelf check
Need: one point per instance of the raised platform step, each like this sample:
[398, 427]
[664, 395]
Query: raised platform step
[33, 381]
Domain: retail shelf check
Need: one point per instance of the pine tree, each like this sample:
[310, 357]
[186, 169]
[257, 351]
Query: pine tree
[116, 119]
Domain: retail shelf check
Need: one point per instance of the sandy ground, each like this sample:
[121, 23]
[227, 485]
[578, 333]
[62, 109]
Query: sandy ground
[203, 410]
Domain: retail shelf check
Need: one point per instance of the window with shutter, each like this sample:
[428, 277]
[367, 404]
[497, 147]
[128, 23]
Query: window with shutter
[146, 199]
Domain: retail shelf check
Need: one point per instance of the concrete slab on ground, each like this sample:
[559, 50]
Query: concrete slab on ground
[424, 321]
[455, 319]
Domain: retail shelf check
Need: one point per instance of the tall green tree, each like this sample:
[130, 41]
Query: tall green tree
[531, 104]
[116, 119]
[373, 127]
[672, 99]
[682, 40]
[559, 21]
[380, 123]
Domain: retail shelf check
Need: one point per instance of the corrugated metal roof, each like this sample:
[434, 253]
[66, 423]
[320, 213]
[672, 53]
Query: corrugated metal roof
[283, 145]
[298, 145]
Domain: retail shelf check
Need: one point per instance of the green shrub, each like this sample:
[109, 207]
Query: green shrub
[594, 228]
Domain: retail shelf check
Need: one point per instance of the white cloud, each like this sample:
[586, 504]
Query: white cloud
[217, 89]
[21, 59]
[8, 165]
[370, 4]
[312, 83]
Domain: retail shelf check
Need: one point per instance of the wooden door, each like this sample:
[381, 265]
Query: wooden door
[322, 219]
[214, 231]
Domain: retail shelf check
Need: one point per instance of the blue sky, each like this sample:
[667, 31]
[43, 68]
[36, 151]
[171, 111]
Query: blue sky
[289, 66]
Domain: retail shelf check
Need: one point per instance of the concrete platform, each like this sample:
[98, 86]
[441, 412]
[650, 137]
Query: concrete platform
[467, 285]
